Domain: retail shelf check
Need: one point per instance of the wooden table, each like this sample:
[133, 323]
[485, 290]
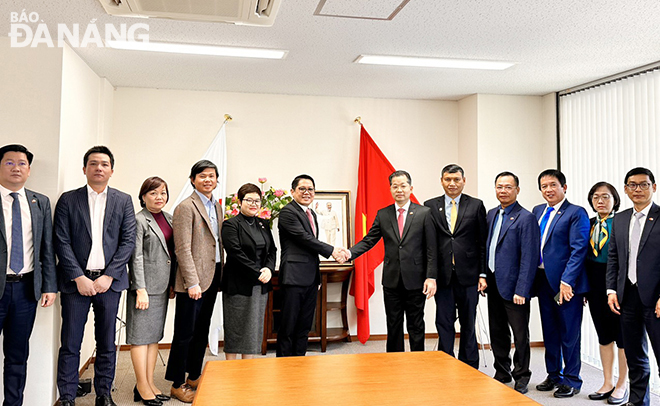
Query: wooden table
[421, 378]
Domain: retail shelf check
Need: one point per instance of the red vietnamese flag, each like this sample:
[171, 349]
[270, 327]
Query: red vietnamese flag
[373, 194]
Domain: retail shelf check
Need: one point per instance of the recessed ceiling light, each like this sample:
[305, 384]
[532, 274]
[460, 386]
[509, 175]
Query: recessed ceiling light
[433, 62]
[197, 49]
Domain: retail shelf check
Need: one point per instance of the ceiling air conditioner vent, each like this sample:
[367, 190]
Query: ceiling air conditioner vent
[240, 12]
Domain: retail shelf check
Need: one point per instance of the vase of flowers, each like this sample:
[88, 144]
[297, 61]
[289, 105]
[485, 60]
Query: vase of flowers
[272, 201]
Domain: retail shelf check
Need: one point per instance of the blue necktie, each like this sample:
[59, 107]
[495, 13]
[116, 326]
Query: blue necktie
[493, 240]
[16, 262]
[544, 223]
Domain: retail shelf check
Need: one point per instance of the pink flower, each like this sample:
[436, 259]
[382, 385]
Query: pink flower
[234, 205]
[234, 198]
[235, 212]
[262, 180]
[279, 193]
[227, 212]
[264, 213]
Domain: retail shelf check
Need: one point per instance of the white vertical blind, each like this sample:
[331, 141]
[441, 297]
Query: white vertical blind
[604, 132]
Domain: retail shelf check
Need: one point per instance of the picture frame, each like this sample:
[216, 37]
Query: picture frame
[333, 214]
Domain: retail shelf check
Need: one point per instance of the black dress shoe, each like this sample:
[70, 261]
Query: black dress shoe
[503, 379]
[565, 391]
[162, 397]
[148, 402]
[617, 401]
[105, 400]
[601, 396]
[521, 387]
[546, 385]
[67, 402]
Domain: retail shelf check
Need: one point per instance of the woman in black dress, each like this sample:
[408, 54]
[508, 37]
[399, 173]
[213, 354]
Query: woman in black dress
[605, 201]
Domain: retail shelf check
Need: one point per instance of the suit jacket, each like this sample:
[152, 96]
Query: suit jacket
[194, 243]
[648, 257]
[151, 265]
[45, 279]
[73, 237]
[299, 264]
[467, 243]
[517, 251]
[566, 245]
[410, 257]
[244, 262]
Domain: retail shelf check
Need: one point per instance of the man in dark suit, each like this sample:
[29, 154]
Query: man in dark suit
[513, 254]
[561, 282]
[27, 264]
[409, 266]
[460, 223]
[196, 224]
[633, 279]
[299, 267]
[94, 239]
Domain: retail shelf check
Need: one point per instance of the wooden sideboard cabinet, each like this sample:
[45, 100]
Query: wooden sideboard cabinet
[320, 331]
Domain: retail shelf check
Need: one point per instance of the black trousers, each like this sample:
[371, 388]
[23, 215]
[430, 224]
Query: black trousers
[502, 314]
[192, 321]
[411, 302]
[637, 319]
[298, 307]
[75, 308]
[449, 300]
[18, 308]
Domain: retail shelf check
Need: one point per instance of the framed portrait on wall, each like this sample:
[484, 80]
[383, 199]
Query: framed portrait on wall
[333, 214]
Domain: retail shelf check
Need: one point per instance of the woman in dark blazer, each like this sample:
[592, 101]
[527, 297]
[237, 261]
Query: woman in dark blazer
[150, 271]
[605, 201]
[251, 250]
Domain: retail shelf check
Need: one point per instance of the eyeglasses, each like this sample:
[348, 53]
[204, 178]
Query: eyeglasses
[508, 188]
[251, 202]
[643, 186]
[605, 197]
[304, 190]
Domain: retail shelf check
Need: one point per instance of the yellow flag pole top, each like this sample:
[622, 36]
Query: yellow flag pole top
[228, 118]
[358, 120]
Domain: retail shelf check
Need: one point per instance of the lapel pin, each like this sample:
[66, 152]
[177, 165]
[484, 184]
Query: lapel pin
[34, 200]
[650, 218]
[440, 209]
[411, 213]
[511, 218]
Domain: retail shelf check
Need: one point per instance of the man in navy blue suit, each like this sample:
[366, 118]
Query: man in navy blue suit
[633, 279]
[513, 253]
[561, 282]
[94, 238]
[27, 264]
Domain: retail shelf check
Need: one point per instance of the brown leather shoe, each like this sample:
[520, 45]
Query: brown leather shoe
[193, 384]
[184, 393]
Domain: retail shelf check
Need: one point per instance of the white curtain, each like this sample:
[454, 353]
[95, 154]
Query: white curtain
[604, 132]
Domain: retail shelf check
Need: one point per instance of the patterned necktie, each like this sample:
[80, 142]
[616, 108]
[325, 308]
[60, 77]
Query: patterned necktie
[599, 236]
[635, 236]
[452, 215]
[311, 221]
[16, 262]
[399, 220]
[544, 223]
[493, 240]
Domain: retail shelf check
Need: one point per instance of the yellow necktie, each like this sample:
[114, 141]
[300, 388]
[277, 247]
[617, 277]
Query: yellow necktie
[452, 215]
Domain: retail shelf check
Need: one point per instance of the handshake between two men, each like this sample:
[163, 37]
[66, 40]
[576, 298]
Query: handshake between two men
[341, 254]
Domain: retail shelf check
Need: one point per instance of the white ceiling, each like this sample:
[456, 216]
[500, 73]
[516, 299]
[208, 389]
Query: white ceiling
[556, 44]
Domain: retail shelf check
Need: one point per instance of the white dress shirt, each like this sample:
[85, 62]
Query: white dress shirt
[97, 203]
[405, 208]
[26, 220]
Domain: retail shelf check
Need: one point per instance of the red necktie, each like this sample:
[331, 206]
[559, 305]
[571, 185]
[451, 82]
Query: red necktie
[311, 221]
[399, 220]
